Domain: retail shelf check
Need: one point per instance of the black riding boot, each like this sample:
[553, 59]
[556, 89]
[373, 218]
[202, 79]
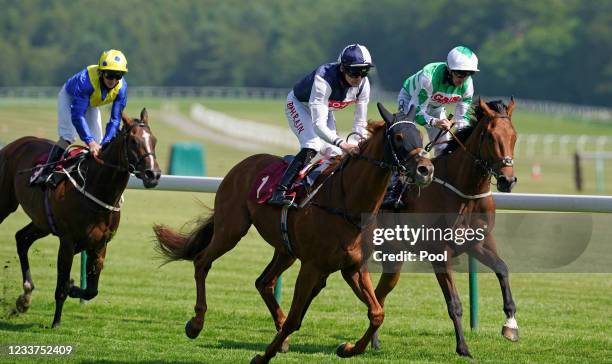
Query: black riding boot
[392, 198]
[303, 157]
[46, 175]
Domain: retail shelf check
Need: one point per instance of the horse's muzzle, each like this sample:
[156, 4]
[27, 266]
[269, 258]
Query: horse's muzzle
[150, 178]
[424, 172]
[506, 183]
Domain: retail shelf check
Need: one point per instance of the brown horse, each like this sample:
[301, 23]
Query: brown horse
[83, 211]
[324, 235]
[463, 178]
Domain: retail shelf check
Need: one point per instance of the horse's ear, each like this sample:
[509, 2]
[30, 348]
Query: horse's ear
[144, 116]
[126, 119]
[510, 106]
[484, 107]
[386, 115]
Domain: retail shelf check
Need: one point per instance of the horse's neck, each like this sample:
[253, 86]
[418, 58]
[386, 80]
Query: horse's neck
[362, 183]
[460, 170]
[108, 182]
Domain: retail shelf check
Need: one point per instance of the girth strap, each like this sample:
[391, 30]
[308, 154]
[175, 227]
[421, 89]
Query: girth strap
[49, 213]
[285, 230]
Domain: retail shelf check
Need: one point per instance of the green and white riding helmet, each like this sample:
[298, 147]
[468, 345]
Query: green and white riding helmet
[462, 58]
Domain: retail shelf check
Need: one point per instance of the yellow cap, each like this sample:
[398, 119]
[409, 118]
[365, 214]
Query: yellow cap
[112, 60]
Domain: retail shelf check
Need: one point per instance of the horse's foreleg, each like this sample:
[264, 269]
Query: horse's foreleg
[386, 284]
[95, 263]
[64, 265]
[265, 285]
[444, 274]
[361, 283]
[487, 255]
[25, 238]
[310, 282]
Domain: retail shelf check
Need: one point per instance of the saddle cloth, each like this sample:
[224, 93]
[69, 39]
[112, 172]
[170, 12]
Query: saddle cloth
[267, 180]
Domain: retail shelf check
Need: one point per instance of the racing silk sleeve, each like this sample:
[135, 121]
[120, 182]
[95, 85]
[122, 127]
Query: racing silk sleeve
[424, 90]
[319, 109]
[462, 109]
[115, 115]
[361, 109]
[79, 88]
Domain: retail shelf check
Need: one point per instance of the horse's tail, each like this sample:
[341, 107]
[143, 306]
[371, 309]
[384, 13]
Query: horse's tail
[176, 246]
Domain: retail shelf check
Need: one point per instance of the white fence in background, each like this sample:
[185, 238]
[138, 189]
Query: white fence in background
[548, 145]
[247, 130]
[505, 201]
[602, 114]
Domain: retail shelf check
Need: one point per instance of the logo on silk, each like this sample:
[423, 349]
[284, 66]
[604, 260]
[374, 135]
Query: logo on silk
[339, 104]
[442, 99]
[295, 116]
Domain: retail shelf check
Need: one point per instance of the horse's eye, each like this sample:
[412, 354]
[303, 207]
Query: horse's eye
[398, 138]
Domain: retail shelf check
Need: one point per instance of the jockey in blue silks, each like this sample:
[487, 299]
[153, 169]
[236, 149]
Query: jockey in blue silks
[78, 110]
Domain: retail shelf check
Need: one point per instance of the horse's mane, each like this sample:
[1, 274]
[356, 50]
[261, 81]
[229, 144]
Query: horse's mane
[372, 127]
[476, 114]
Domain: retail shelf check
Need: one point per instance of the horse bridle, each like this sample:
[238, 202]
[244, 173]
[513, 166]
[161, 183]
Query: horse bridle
[132, 167]
[491, 169]
[395, 164]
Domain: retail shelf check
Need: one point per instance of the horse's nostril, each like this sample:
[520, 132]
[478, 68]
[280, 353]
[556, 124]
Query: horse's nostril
[423, 171]
[149, 174]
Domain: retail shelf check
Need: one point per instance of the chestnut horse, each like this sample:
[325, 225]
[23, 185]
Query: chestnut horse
[463, 178]
[83, 210]
[324, 235]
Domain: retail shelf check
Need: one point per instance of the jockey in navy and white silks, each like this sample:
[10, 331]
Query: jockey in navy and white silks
[311, 103]
[78, 107]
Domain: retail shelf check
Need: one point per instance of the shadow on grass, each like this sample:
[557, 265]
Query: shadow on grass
[137, 361]
[8, 326]
[261, 347]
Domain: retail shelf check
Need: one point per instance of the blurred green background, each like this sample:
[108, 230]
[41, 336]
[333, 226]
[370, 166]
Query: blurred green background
[545, 49]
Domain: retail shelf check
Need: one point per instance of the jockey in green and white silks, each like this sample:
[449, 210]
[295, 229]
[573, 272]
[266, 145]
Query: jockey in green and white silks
[430, 90]
[437, 85]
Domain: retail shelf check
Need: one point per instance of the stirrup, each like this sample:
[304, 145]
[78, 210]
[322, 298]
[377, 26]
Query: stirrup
[39, 178]
[51, 181]
[284, 201]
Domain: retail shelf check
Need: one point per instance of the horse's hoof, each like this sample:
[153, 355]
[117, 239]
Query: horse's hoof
[285, 346]
[190, 331]
[23, 303]
[510, 333]
[463, 351]
[257, 359]
[375, 342]
[55, 325]
[344, 350]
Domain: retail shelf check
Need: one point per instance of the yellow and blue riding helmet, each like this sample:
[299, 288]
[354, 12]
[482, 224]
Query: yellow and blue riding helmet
[112, 60]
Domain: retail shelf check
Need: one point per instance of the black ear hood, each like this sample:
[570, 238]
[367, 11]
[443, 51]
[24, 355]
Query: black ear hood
[386, 115]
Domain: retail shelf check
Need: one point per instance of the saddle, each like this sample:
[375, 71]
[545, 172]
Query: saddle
[69, 161]
[267, 180]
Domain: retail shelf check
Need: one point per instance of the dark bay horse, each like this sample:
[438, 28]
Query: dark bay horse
[463, 179]
[324, 235]
[86, 217]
